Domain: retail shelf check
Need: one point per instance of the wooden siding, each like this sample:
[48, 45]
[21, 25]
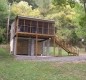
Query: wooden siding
[22, 47]
[39, 49]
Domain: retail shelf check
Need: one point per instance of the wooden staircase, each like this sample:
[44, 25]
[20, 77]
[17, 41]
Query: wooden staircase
[66, 46]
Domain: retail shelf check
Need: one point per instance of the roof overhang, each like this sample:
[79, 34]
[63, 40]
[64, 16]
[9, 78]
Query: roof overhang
[35, 19]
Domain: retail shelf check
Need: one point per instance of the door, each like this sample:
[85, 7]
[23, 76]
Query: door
[22, 47]
[39, 48]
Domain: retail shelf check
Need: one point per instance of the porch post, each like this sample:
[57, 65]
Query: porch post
[48, 46]
[36, 44]
[17, 36]
[32, 47]
[54, 46]
[44, 48]
[14, 52]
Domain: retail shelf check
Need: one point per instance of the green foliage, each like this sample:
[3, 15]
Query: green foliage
[64, 20]
[3, 20]
[24, 9]
[64, 2]
[74, 38]
[43, 5]
[83, 26]
[2, 35]
[68, 15]
[84, 3]
[30, 2]
[3, 12]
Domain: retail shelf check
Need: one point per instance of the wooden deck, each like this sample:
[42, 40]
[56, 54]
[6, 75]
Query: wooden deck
[33, 35]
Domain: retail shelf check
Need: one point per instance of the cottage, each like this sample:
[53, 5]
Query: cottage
[34, 36]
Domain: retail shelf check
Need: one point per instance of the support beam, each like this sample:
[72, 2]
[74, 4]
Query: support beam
[36, 45]
[29, 46]
[48, 46]
[16, 43]
[17, 36]
[30, 25]
[24, 25]
[14, 51]
[44, 50]
[37, 39]
[42, 27]
[32, 47]
[48, 28]
[54, 46]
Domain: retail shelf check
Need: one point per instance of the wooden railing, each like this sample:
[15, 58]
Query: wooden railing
[66, 46]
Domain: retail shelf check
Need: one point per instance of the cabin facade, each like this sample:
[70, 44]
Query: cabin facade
[31, 36]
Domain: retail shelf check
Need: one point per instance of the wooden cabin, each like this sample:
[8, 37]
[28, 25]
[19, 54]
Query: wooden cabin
[31, 36]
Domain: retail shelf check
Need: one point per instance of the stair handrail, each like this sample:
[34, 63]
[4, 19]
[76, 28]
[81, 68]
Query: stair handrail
[66, 45]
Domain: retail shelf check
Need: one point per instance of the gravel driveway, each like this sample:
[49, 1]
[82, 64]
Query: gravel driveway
[50, 58]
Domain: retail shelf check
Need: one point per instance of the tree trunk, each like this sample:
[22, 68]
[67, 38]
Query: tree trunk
[85, 5]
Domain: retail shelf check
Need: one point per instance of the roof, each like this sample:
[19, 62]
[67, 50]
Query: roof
[35, 19]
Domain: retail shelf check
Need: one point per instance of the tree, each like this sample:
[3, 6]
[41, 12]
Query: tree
[2, 35]
[43, 5]
[3, 20]
[84, 3]
[64, 2]
[30, 2]
[3, 12]
[64, 20]
[24, 9]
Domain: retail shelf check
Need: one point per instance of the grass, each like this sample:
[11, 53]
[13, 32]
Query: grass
[11, 69]
[57, 53]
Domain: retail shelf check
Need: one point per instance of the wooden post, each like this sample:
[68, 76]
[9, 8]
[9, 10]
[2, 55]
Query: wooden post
[43, 28]
[48, 28]
[54, 46]
[43, 48]
[30, 25]
[48, 47]
[24, 25]
[17, 36]
[54, 41]
[54, 29]
[36, 44]
[37, 28]
[16, 42]
[36, 39]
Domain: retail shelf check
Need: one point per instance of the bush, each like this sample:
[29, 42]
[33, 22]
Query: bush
[2, 35]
